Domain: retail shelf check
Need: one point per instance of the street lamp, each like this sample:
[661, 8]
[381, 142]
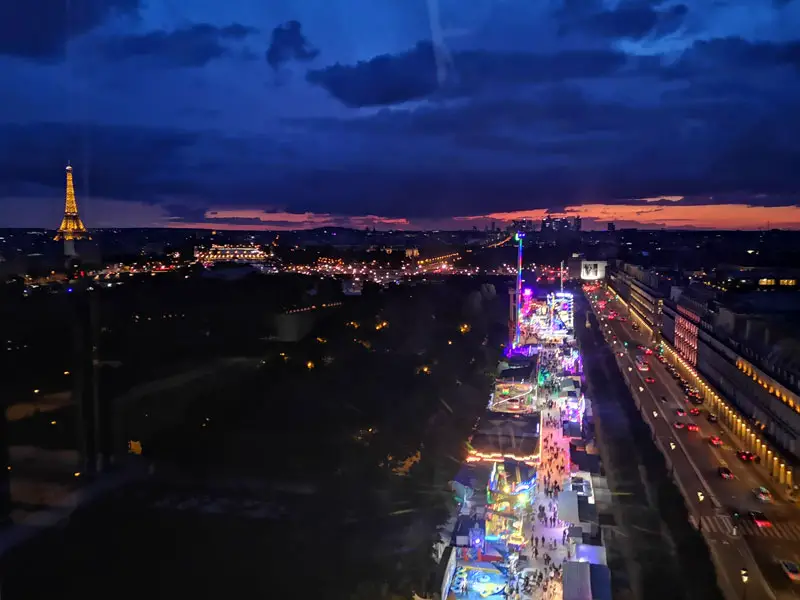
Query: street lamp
[745, 577]
[700, 498]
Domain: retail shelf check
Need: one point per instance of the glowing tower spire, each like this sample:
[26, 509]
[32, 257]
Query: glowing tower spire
[72, 228]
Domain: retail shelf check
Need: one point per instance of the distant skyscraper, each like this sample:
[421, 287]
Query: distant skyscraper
[611, 227]
[577, 224]
[547, 224]
[72, 227]
[494, 226]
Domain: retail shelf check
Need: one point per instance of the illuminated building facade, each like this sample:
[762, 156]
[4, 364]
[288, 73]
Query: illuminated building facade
[241, 254]
[686, 323]
[643, 289]
[740, 345]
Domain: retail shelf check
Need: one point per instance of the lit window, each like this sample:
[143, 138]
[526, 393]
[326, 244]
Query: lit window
[766, 282]
[788, 282]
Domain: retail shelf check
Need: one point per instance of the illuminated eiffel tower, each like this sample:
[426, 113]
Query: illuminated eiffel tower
[72, 228]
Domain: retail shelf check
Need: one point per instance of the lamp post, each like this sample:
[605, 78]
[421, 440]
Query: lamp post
[745, 577]
[700, 498]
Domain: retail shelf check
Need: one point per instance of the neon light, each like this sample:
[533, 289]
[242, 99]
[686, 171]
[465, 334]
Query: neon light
[518, 237]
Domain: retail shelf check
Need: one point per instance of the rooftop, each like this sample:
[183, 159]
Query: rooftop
[507, 436]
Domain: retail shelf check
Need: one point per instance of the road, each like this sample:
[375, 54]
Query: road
[700, 465]
[651, 541]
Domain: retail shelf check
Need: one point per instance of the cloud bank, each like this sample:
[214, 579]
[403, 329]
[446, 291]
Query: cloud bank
[337, 113]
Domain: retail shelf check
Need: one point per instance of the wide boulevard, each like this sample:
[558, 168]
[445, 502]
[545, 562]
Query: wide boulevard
[749, 555]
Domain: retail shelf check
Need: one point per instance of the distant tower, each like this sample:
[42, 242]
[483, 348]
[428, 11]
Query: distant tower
[72, 227]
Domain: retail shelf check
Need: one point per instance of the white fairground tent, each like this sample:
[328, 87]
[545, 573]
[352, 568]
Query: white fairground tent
[568, 507]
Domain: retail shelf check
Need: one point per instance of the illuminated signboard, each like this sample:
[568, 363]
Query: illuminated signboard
[592, 270]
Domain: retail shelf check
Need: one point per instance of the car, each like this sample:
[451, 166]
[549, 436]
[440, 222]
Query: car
[712, 418]
[759, 518]
[650, 379]
[692, 427]
[745, 456]
[623, 320]
[635, 327]
[791, 569]
[695, 401]
[763, 494]
[695, 412]
[640, 347]
[621, 353]
[725, 473]
[680, 412]
[648, 351]
[664, 399]
[679, 424]
[613, 337]
[715, 440]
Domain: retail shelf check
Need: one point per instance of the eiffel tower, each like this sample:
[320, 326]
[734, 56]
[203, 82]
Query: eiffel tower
[72, 228]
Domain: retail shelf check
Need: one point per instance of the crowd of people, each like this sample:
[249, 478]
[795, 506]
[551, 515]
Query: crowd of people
[549, 548]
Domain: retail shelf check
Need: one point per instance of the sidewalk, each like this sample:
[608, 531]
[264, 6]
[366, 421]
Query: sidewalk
[555, 449]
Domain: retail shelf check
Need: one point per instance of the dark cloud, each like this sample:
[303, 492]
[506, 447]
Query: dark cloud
[40, 29]
[629, 19]
[391, 79]
[193, 46]
[731, 55]
[118, 162]
[288, 43]
[383, 80]
[742, 198]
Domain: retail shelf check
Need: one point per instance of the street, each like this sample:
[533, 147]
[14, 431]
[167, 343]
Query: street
[740, 543]
[653, 541]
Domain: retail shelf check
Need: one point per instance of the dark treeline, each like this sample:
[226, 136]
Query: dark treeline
[370, 411]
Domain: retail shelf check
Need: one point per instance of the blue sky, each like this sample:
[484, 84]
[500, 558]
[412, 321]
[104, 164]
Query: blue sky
[401, 113]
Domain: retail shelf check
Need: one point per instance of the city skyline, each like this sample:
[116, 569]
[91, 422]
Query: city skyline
[430, 116]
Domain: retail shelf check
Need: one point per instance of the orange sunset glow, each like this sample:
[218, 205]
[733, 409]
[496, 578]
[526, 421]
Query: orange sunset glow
[710, 216]
[642, 214]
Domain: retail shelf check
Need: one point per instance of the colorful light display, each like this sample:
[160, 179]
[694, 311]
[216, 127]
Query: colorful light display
[509, 493]
[560, 305]
[575, 409]
[512, 397]
[571, 362]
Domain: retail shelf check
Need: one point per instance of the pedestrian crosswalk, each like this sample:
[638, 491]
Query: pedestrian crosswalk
[725, 524]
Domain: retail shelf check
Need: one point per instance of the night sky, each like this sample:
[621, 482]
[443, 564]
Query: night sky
[278, 114]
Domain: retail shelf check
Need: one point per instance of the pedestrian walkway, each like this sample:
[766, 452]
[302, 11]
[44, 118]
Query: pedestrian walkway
[724, 524]
[549, 547]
